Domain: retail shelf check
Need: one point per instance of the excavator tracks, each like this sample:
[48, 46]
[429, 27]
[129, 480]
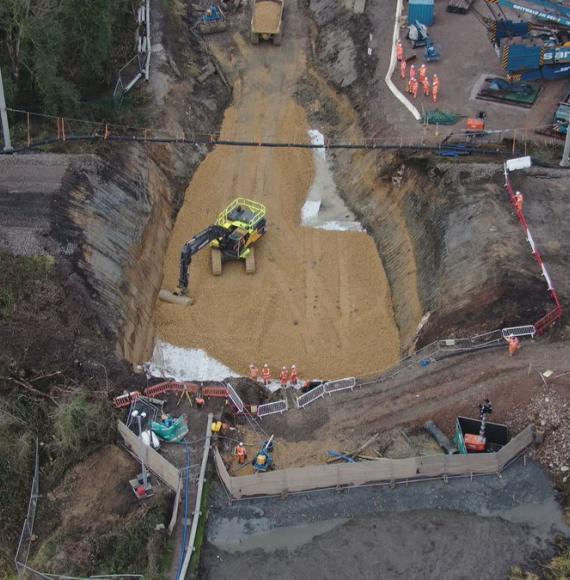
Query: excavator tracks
[216, 262]
[250, 263]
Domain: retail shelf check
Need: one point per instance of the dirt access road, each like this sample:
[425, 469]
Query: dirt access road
[319, 299]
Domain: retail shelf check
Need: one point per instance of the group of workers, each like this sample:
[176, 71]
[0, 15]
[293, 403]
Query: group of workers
[422, 77]
[286, 377]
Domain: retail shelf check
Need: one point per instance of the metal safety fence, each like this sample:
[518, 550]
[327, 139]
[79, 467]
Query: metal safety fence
[139, 66]
[340, 385]
[311, 396]
[529, 330]
[25, 543]
[235, 398]
[272, 408]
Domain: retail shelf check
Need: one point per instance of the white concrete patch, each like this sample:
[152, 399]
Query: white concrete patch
[324, 208]
[341, 226]
[310, 211]
[183, 364]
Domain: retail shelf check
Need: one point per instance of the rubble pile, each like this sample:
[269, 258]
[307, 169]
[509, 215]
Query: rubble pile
[550, 414]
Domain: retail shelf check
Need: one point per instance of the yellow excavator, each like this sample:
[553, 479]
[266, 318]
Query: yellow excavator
[237, 228]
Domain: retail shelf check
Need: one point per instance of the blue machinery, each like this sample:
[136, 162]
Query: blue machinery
[547, 57]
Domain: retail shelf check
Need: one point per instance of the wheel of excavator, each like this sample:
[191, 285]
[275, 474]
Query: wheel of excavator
[216, 262]
[250, 263]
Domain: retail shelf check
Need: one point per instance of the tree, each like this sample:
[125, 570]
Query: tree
[61, 52]
[16, 17]
[88, 29]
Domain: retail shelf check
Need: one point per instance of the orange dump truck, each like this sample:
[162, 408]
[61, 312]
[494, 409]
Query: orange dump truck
[267, 21]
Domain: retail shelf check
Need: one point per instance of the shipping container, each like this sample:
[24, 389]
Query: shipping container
[422, 11]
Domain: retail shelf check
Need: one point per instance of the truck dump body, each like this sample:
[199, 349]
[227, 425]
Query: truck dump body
[266, 18]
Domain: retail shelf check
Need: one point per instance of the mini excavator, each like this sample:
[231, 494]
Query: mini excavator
[237, 228]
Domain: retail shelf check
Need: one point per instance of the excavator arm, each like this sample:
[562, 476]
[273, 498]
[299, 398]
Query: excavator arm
[193, 246]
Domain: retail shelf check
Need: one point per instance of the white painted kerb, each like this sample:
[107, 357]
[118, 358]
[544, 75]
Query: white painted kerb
[388, 79]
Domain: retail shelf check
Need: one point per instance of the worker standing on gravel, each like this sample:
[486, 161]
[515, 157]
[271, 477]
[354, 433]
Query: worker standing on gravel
[293, 377]
[514, 344]
[253, 372]
[266, 374]
[284, 377]
[426, 86]
[435, 89]
[519, 201]
[403, 66]
[241, 453]
[422, 73]
[399, 51]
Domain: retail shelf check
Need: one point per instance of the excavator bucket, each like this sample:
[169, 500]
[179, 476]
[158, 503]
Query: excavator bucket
[168, 296]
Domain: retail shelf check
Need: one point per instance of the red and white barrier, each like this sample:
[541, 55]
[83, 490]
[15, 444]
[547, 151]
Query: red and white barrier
[556, 313]
[125, 400]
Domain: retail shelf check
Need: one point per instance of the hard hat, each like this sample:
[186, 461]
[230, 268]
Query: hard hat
[293, 367]
[251, 365]
[265, 365]
[434, 76]
[241, 443]
[284, 368]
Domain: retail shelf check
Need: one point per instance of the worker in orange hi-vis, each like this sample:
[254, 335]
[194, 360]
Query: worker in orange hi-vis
[412, 72]
[399, 51]
[435, 89]
[241, 453]
[403, 67]
[415, 86]
[266, 374]
[422, 73]
[253, 372]
[293, 376]
[284, 377]
[426, 86]
[519, 201]
[411, 82]
[514, 344]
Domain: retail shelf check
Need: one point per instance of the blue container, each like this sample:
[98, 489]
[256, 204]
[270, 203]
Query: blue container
[422, 11]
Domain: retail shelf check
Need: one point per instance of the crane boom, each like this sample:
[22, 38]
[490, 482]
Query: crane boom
[561, 14]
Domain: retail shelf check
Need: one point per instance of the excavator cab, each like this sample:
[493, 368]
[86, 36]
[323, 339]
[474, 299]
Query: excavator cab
[245, 222]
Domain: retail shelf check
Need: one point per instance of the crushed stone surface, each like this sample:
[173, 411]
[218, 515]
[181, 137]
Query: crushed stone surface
[266, 16]
[319, 299]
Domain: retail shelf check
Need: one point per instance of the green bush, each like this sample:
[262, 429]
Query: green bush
[79, 427]
[124, 551]
[559, 567]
